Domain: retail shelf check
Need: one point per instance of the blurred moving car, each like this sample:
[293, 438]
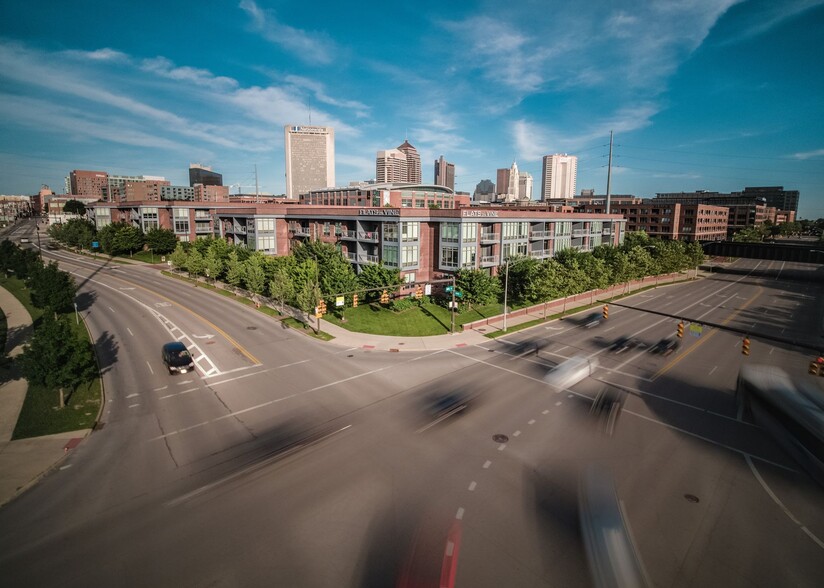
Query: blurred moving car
[570, 372]
[177, 358]
[444, 405]
[592, 320]
[665, 346]
[606, 408]
[622, 344]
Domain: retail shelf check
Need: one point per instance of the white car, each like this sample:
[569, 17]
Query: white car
[570, 372]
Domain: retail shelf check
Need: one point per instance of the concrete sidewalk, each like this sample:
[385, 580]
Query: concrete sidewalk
[24, 461]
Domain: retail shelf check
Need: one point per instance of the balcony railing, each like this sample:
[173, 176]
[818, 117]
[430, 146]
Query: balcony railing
[540, 234]
[580, 232]
[489, 260]
[540, 253]
[369, 236]
[298, 230]
[488, 237]
[347, 234]
[409, 264]
[203, 228]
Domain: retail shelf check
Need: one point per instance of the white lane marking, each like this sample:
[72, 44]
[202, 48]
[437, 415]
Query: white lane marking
[150, 366]
[502, 446]
[487, 463]
[531, 422]
[545, 412]
[203, 336]
[184, 382]
[65, 467]
[708, 440]
[126, 288]
[715, 367]
[179, 393]
[134, 405]
[459, 515]
[281, 399]
[569, 396]
[558, 403]
[132, 395]
[130, 331]
[110, 308]
[277, 367]
[472, 486]
[516, 434]
[771, 350]
[775, 498]
[159, 389]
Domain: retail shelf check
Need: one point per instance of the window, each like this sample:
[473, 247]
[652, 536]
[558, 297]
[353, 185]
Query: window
[406, 202]
[149, 214]
[409, 255]
[409, 231]
[450, 232]
[390, 255]
[409, 278]
[468, 257]
[265, 225]
[420, 203]
[449, 257]
[390, 231]
[266, 242]
[470, 231]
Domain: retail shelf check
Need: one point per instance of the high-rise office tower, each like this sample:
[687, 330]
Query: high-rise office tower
[484, 191]
[444, 173]
[310, 159]
[413, 162]
[502, 180]
[390, 166]
[202, 174]
[558, 176]
[514, 177]
[87, 183]
[525, 186]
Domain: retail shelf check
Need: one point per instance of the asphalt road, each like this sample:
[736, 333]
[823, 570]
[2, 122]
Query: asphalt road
[284, 461]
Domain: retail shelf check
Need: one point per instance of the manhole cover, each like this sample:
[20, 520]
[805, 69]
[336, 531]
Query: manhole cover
[350, 356]
[251, 328]
[500, 438]
[691, 498]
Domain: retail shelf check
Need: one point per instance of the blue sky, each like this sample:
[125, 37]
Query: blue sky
[701, 94]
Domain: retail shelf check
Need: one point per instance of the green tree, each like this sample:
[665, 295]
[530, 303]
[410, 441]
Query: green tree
[195, 264]
[161, 241]
[128, 239]
[254, 277]
[308, 297]
[57, 359]
[52, 289]
[378, 276]
[749, 235]
[636, 238]
[74, 207]
[76, 232]
[335, 272]
[234, 270]
[179, 257]
[213, 264]
[521, 283]
[281, 288]
[477, 287]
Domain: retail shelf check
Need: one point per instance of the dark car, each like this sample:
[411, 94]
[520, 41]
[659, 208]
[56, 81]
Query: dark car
[177, 358]
[592, 320]
[665, 346]
[622, 344]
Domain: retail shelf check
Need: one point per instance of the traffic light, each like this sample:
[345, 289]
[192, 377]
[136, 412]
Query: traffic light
[418, 292]
[385, 297]
[320, 309]
[681, 329]
[354, 300]
[745, 346]
[606, 311]
[814, 369]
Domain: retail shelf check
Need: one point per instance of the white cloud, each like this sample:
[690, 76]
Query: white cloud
[200, 77]
[319, 91]
[809, 154]
[310, 47]
[760, 17]
[104, 54]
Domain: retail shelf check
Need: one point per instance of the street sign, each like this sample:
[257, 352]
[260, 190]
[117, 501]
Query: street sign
[448, 289]
[427, 289]
[95, 244]
[696, 329]
[458, 294]
[338, 300]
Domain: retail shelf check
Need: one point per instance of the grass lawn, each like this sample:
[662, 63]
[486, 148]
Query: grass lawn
[40, 414]
[420, 321]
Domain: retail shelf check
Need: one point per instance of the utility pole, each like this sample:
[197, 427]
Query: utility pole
[452, 332]
[506, 287]
[257, 191]
[609, 181]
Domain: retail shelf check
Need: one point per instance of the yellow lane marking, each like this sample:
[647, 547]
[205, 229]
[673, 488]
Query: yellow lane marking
[703, 340]
[231, 340]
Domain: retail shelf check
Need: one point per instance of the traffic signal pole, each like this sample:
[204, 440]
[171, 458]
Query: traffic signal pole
[452, 331]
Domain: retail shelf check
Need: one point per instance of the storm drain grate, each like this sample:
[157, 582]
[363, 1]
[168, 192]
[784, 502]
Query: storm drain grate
[500, 438]
[691, 498]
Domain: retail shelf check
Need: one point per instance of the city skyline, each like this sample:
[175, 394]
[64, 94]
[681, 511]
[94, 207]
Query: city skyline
[716, 96]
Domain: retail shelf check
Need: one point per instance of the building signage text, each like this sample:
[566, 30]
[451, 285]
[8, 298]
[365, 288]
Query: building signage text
[479, 213]
[379, 212]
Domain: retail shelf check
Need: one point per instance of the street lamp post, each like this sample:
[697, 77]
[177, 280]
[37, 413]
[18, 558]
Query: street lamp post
[506, 289]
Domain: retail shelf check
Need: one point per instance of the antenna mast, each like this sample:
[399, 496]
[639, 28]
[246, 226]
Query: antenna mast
[609, 181]
[257, 191]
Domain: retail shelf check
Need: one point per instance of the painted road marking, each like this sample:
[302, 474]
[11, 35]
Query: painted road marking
[487, 463]
[531, 422]
[472, 486]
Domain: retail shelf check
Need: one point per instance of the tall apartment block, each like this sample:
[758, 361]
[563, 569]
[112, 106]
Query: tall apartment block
[202, 174]
[558, 176]
[444, 173]
[390, 166]
[310, 159]
[88, 183]
[413, 162]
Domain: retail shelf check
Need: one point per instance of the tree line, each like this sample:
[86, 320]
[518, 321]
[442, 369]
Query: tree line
[113, 239]
[55, 358]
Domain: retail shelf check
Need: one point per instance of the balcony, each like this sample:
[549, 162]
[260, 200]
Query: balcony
[369, 236]
[540, 234]
[489, 260]
[580, 232]
[298, 230]
[540, 253]
[369, 259]
[239, 229]
[201, 228]
[347, 234]
[489, 237]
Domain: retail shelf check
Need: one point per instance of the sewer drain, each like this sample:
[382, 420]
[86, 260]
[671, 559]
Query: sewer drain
[500, 438]
[691, 498]
[251, 328]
